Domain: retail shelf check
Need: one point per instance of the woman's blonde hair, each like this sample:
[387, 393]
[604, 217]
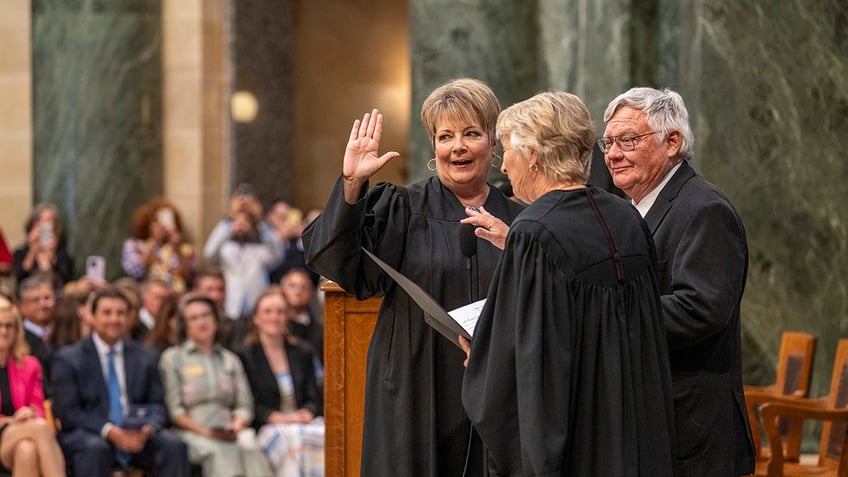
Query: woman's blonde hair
[558, 127]
[466, 100]
[19, 348]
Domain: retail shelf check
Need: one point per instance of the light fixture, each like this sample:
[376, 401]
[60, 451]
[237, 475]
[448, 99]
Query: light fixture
[243, 106]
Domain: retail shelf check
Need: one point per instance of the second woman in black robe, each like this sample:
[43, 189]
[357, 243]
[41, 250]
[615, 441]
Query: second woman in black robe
[568, 373]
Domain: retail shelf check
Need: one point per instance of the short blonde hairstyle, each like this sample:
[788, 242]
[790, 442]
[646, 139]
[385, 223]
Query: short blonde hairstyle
[19, 349]
[466, 100]
[558, 127]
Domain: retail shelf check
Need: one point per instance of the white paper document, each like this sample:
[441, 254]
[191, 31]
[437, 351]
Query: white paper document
[467, 315]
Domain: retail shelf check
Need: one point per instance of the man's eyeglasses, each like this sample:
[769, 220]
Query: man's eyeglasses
[625, 143]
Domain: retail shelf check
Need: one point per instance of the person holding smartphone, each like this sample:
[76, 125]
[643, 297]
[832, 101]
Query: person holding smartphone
[44, 250]
[158, 248]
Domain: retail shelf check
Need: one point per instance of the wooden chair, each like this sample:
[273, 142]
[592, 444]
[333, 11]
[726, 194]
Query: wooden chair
[794, 370]
[54, 423]
[832, 409]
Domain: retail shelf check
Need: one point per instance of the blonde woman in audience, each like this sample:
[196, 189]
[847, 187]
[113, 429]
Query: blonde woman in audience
[280, 369]
[27, 445]
[158, 248]
[208, 397]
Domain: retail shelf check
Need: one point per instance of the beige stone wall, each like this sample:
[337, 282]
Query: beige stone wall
[195, 89]
[15, 118]
[349, 57]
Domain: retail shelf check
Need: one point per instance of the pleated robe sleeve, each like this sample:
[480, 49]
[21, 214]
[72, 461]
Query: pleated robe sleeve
[378, 221]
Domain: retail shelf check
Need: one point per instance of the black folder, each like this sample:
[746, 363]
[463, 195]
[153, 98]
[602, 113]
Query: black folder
[434, 314]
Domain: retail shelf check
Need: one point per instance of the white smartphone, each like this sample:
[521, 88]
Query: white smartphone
[95, 269]
[45, 234]
[166, 218]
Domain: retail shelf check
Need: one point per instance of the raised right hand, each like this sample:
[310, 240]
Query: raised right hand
[361, 160]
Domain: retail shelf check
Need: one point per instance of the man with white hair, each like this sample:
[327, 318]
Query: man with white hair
[702, 266]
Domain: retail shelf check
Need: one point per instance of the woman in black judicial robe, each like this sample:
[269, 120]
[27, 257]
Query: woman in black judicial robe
[414, 422]
[568, 371]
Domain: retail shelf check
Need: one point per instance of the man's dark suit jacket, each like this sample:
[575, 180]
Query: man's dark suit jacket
[266, 392]
[702, 258]
[81, 395]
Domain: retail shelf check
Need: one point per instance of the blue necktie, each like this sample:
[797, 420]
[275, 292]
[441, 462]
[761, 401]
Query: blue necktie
[116, 409]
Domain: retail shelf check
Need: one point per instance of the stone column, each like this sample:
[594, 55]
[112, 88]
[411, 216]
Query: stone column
[263, 147]
[15, 119]
[195, 116]
[96, 117]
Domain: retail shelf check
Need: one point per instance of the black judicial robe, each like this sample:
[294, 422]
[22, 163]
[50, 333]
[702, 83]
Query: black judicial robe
[414, 422]
[569, 372]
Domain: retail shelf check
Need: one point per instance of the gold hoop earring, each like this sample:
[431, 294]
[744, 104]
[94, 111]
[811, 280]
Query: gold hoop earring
[533, 167]
[433, 163]
[497, 166]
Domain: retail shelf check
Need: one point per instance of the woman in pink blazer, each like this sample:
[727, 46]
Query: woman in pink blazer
[27, 444]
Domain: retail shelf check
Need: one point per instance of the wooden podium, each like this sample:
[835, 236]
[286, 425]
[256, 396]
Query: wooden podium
[348, 325]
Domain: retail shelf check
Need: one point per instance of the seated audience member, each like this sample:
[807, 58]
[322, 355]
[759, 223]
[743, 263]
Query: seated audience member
[279, 367]
[27, 445]
[305, 324]
[244, 257]
[70, 319]
[44, 250]
[5, 256]
[109, 398]
[152, 293]
[37, 299]
[208, 397]
[158, 249]
[164, 332]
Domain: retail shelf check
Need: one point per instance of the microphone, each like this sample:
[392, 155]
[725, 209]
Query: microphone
[467, 240]
[468, 248]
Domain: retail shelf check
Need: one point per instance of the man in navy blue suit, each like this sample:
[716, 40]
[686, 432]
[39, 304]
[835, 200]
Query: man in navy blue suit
[702, 264]
[86, 373]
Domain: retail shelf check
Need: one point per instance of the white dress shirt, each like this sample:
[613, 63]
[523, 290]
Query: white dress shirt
[645, 204]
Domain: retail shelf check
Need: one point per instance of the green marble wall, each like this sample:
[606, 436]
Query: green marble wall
[766, 83]
[97, 117]
[773, 104]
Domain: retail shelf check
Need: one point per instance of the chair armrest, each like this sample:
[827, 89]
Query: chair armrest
[755, 396]
[770, 411]
[771, 388]
[52, 422]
